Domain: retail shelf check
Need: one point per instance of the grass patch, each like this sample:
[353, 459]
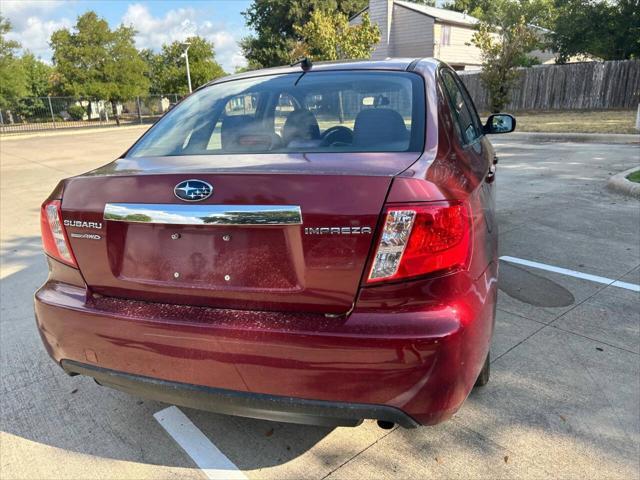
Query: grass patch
[576, 121]
[634, 176]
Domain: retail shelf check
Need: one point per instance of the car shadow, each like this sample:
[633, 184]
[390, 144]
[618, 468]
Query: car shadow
[533, 289]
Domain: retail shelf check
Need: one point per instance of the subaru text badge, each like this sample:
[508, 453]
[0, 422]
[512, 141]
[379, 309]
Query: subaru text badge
[193, 190]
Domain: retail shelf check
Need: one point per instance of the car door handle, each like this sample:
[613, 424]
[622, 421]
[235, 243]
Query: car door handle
[491, 176]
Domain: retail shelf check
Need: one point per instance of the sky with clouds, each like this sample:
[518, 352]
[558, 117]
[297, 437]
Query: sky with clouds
[157, 22]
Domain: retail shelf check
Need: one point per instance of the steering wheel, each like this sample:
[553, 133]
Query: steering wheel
[337, 134]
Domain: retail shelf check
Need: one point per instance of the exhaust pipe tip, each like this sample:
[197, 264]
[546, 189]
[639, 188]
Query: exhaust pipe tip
[386, 425]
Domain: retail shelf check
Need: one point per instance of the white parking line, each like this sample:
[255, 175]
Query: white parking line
[572, 273]
[202, 451]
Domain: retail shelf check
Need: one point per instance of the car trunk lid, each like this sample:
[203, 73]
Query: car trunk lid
[233, 255]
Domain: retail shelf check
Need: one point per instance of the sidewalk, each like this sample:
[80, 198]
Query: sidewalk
[73, 131]
[620, 138]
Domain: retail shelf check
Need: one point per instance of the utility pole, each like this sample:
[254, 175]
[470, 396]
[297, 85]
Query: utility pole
[186, 57]
[53, 118]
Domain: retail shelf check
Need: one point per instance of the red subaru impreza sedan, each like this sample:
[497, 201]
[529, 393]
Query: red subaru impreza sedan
[311, 245]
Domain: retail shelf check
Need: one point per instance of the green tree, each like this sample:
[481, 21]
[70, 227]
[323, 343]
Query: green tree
[428, 3]
[37, 75]
[95, 61]
[508, 31]
[154, 70]
[534, 15]
[242, 69]
[475, 8]
[540, 13]
[168, 72]
[328, 36]
[273, 22]
[127, 70]
[503, 50]
[37, 82]
[351, 7]
[607, 30]
[12, 78]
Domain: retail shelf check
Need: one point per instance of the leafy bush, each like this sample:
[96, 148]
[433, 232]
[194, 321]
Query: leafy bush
[77, 112]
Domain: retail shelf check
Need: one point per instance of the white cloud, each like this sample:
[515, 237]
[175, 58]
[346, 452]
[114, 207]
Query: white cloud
[178, 24]
[36, 33]
[20, 10]
[35, 20]
[29, 26]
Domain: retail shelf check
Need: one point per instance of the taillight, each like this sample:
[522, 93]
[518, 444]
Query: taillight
[54, 237]
[421, 239]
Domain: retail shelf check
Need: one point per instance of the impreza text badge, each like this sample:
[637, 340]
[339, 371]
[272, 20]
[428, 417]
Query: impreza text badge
[338, 231]
[193, 190]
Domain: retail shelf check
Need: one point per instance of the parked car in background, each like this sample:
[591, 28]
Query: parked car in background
[313, 245]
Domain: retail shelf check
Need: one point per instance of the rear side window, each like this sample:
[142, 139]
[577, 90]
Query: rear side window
[464, 112]
[294, 113]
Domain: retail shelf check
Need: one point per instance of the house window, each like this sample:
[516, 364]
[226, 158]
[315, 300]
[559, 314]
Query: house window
[445, 35]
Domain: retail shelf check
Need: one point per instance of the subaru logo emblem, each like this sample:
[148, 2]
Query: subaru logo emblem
[193, 190]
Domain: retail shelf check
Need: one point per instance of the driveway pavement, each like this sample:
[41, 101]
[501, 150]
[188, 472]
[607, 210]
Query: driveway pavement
[563, 400]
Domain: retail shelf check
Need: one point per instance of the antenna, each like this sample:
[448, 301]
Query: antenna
[304, 62]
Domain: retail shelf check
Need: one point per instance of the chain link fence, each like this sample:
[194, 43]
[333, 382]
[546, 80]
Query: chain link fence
[31, 114]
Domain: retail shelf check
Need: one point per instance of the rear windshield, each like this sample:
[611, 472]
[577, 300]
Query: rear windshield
[294, 113]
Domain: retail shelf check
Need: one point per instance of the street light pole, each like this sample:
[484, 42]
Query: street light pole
[186, 57]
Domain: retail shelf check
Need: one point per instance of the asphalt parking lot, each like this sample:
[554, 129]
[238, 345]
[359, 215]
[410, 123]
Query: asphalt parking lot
[564, 397]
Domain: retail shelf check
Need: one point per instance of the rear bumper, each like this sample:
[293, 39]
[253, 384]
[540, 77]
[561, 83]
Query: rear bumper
[408, 367]
[244, 404]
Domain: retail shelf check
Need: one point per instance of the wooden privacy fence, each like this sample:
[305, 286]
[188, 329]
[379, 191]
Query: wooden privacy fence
[574, 86]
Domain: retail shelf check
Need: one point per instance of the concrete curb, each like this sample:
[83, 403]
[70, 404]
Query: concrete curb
[72, 131]
[620, 184]
[621, 138]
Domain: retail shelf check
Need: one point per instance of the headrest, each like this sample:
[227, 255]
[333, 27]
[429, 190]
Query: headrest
[376, 126]
[300, 125]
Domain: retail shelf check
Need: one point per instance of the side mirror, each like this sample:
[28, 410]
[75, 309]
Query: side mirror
[500, 123]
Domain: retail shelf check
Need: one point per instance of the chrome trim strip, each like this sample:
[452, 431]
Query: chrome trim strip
[189, 214]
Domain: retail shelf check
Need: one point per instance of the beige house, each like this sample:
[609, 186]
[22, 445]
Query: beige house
[408, 29]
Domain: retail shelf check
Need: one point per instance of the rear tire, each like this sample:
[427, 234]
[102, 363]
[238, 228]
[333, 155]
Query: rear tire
[483, 377]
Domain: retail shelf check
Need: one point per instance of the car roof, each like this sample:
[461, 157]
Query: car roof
[397, 64]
